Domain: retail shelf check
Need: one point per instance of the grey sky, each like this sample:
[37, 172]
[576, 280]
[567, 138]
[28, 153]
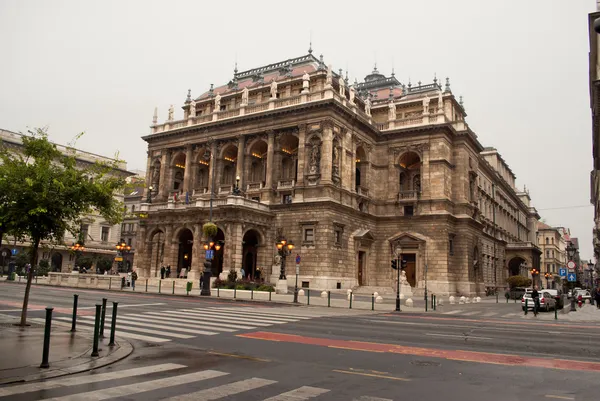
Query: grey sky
[522, 67]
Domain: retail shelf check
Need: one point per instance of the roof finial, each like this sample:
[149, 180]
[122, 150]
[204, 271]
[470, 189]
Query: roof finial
[375, 69]
[189, 96]
[155, 116]
[447, 88]
[211, 91]
[435, 78]
[310, 44]
[235, 69]
[460, 101]
[347, 80]
[393, 72]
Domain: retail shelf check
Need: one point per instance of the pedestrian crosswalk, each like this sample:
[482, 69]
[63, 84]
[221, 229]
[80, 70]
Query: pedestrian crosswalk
[482, 313]
[168, 325]
[203, 385]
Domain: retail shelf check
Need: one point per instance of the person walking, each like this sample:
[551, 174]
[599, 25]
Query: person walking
[593, 295]
[535, 295]
[162, 272]
[168, 271]
[598, 297]
[134, 277]
[242, 273]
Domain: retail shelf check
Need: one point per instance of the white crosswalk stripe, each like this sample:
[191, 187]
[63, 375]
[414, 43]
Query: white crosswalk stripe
[133, 336]
[453, 312]
[472, 313]
[166, 325]
[111, 385]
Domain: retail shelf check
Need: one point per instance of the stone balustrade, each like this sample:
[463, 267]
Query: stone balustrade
[86, 280]
[408, 195]
[283, 184]
[204, 203]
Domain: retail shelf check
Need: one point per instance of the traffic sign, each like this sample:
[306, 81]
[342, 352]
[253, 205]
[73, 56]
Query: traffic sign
[571, 265]
[118, 259]
[562, 272]
[209, 254]
[297, 259]
[14, 251]
[297, 269]
[571, 277]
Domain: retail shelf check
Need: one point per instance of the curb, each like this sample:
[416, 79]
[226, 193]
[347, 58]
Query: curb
[125, 349]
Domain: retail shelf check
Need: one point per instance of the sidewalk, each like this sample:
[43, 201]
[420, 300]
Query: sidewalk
[21, 350]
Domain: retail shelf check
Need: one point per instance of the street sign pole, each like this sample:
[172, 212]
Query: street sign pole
[296, 285]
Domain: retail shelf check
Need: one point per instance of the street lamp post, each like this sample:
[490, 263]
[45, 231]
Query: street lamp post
[77, 247]
[122, 249]
[591, 271]
[149, 195]
[398, 252]
[285, 247]
[534, 272]
[547, 275]
[236, 190]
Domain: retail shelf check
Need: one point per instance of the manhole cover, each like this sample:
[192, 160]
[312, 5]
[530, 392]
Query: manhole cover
[426, 363]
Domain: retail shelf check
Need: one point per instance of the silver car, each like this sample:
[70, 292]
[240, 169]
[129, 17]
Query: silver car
[547, 301]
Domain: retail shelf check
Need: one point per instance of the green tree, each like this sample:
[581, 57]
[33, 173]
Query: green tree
[44, 193]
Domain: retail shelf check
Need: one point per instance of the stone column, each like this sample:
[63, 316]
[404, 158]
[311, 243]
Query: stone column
[270, 150]
[301, 152]
[148, 176]
[197, 264]
[326, 152]
[393, 176]
[165, 166]
[239, 171]
[213, 165]
[187, 174]
[139, 260]
[170, 253]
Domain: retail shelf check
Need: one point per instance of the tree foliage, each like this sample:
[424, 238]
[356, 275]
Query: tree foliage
[518, 281]
[44, 194]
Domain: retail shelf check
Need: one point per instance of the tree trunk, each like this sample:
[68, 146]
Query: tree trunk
[32, 262]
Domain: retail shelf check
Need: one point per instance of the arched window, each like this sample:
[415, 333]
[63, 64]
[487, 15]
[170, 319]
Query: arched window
[178, 180]
[552, 240]
[256, 171]
[547, 241]
[287, 168]
[357, 178]
[228, 175]
[417, 183]
[202, 178]
[402, 181]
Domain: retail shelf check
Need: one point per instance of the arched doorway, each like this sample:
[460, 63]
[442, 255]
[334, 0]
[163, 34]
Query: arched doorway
[56, 261]
[250, 254]
[217, 263]
[411, 268]
[514, 266]
[184, 258]
[178, 172]
[361, 164]
[410, 174]
[157, 251]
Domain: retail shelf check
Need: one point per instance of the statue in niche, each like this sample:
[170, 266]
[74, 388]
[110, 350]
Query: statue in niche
[315, 156]
[368, 105]
[192, 109]
[171, 112]
[440, 104]
[426, 105]
[305, 82]
[392, 111]
[335, 161]
[217, 102]
[273, 89]
[277, 260]
[245, 93]
[155, 177]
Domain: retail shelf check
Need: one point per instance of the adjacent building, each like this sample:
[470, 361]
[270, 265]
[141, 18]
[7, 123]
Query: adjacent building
[96, 235]
[594, 71]
[131, 219]
[552, 242]
[352, 173]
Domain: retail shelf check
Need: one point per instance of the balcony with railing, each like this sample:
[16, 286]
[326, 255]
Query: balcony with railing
[230, 200]
[254, 186]
[362, 191]
[286, 184]
[225, 189]
[410, 195]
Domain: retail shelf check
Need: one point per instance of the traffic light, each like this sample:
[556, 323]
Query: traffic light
[403, 264]
[394, 264]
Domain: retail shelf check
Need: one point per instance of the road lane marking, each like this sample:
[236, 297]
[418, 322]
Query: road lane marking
[140, 387]
[245, 314]
[217, 318]
[266, 310]
[124, 334]
[225, 315]
[87, 379]
[299, 394]
[125, 305]
[472, 313]
[251, 358]
[129, 322]
[223, 391]
[560, 397]
[453, 312]
[458, 355]
[367, 398]
[458, 336]
[349, 372]
[351, 348]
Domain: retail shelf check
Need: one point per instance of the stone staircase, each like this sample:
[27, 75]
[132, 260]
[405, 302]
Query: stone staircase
[368, 290]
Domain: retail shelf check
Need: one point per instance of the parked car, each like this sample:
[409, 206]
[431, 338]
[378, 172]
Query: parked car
[547, 301]
[570, 293]
[557, 295]
[585, 295]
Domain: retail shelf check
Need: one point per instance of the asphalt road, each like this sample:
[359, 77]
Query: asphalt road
[241, 351]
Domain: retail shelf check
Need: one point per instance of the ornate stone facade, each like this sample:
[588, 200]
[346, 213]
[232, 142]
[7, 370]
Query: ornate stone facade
[347, 172]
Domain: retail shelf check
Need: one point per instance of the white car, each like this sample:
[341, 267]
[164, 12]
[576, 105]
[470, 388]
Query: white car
[547, 301]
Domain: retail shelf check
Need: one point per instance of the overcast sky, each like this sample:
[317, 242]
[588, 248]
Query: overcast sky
[521, 66]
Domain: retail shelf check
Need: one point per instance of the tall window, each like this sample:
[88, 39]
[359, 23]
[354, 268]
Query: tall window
[547, 241]
[84, 232]
[105, 232]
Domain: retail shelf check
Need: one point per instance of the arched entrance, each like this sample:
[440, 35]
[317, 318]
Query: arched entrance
[514, 266]
[56, 261]
[157, 251]
[217, 263]
[250, 254]
[411, 268]
[184, 258]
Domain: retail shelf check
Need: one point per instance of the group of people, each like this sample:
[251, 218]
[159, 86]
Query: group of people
[165, 272]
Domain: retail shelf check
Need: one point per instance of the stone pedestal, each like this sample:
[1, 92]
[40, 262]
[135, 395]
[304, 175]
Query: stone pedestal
[406, 290]
[281, 287]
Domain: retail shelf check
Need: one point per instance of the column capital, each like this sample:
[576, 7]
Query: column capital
[327, 124]
[302, 127]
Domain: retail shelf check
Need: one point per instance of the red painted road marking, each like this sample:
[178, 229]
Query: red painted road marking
[34, 307]
[571, 324]
[456, 355]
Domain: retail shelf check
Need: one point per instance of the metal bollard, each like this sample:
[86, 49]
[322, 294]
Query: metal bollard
[218, 295]
[74, 318]
[426, 302]
[146, 285]
[351, 300]
[159, 284]
[373, 302]
[47, 329]
[432, 308]
[307, 296]
[526, 305]
[234, 291]
[113, 324]
[173, 287]
[269, 294]
[36, 278]
[96, 330]
[109, 282]
[328, 299]
[496, 295]
[555, 312]
[103, 317]
[251, 293]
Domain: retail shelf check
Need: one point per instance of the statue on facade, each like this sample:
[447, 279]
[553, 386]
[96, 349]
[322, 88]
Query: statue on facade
[329, 78]
[192, 109]
[342, 85]
[426, 105]
[155, 180]
[315, 156]
[335, 161]
[403, 280]
[171, 112]
[305, 82]
[273, 89]
[352, 94]
[368, 105]
[392, 111]
[440, 102]
[217, 102]
[277, 260]
[245, 93]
